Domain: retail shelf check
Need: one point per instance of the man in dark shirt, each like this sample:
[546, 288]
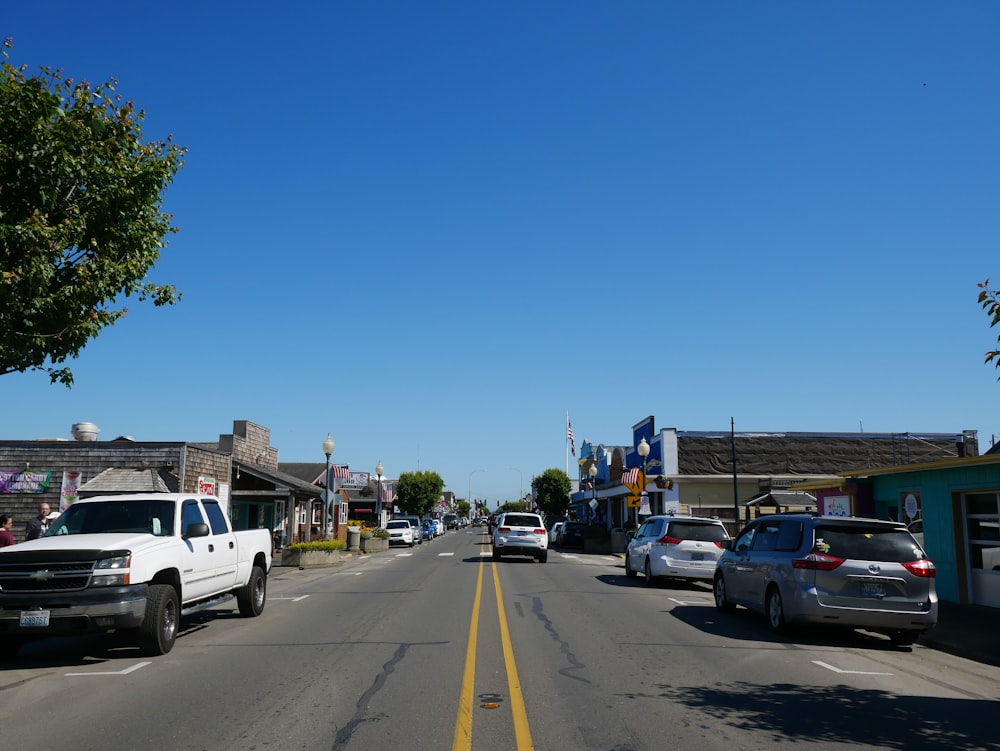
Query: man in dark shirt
[37, 525]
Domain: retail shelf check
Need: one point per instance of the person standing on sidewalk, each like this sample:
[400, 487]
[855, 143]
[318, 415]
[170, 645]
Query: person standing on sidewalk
[6, 522]
[37, 525]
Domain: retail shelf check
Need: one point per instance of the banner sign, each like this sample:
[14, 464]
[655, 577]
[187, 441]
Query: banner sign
[70, 489]
[24, 482]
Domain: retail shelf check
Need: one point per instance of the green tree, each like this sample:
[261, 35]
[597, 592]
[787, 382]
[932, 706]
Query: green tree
[551, 490]
[463, 508]
[418, 492]
[81, 223]
[988, 298]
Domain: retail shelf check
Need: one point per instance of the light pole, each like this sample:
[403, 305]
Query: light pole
[378, 495]
[592, 471]
[520, 497]
[643, 449]
[328, 447]
[470, 482]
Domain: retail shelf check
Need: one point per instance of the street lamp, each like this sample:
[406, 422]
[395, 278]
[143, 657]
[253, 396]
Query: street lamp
[328, 447]
[592, 471]
[470, 482]
[378, 495]
[643, 449]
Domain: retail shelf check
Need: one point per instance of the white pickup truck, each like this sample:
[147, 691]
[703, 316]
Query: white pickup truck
[132, 563]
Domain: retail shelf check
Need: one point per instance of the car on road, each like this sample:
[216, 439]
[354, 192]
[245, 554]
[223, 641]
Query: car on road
[520, 533]
[415, 523]
[571, 535]
[680, 547]
[401, 533]
[846, 571]
[451, 521]
[428, 529]
[554, 532]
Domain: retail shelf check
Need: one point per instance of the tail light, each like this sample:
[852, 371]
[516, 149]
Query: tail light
[503, 529]
[668, 540]
[539, 531]
[817, 562]
[923, 568]
[718, 544]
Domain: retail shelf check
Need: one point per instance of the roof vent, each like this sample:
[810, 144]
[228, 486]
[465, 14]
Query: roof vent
[85, 431]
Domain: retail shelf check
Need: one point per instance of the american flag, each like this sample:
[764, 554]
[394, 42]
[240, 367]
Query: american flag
[630, 476]
[341, 473]
[569, 435]
[388, 493]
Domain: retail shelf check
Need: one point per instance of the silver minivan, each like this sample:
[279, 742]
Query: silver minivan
[845, 571]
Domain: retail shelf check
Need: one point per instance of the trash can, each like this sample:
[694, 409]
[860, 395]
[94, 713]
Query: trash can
[353, 538]
[618, 543]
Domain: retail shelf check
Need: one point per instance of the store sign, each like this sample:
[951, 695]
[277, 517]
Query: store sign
[206, 486]
[24, 482]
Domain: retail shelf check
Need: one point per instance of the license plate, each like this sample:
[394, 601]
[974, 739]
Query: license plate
[872, 589]
[34, 618]
[697, 556]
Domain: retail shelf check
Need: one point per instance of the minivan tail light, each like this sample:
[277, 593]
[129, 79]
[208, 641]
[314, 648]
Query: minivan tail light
[539, 531]
[817, 562]
[668, 540]
[922, 568]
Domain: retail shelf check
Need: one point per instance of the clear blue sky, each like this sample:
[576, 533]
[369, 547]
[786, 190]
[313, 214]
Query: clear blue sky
[430, 229]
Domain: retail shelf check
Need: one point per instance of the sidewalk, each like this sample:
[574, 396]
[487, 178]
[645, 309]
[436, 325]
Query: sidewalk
[970, 631]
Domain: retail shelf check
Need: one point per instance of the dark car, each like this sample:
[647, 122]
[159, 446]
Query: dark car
[571, 535]
[451, 521]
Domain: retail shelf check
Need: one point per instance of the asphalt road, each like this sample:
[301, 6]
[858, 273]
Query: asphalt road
[436, 647]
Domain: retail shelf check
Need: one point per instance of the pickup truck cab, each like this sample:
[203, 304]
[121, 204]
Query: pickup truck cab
[132, 563]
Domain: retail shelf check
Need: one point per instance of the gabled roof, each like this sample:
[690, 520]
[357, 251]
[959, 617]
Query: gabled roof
[125, 480]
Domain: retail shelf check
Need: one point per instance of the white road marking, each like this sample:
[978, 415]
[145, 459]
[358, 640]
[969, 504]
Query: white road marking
[442, 555]
[293, 599]
[126, 671]
[403, 555]
[847, 672]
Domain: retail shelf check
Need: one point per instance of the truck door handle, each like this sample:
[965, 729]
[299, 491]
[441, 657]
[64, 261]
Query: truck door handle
[211, 548]
[231, 545]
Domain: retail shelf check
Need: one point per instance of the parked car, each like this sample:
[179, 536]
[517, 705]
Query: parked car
[415, 523]
[428, 529]
[554, 532]
[571, 535]
[401, 533]
[682, 547]
[451, 521]
[846, 571]
[520, 533]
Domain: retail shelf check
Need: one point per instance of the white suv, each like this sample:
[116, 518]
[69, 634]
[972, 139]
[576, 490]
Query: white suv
[401, 533]
[520, 533]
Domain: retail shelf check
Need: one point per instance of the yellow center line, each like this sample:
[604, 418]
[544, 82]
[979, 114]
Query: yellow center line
[463, 723]
[522, 734]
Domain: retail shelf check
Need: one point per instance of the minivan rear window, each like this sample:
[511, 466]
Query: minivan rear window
[520, 520]
[866, 543]
[697, 531]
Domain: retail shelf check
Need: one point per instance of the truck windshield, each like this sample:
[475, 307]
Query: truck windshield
[151, 516]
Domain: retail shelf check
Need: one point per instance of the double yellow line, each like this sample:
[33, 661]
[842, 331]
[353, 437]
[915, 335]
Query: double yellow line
[463, 723]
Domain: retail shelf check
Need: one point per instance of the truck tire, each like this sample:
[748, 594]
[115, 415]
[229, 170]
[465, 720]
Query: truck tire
[251, 597]
[158, 631]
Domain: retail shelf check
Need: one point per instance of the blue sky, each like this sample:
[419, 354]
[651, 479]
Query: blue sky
[430, 229]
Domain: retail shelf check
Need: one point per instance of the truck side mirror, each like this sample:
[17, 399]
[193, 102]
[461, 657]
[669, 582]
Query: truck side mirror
[198, 529]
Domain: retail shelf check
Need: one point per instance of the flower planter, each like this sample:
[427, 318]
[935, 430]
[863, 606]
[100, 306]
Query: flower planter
[373, 544]
[309, 558]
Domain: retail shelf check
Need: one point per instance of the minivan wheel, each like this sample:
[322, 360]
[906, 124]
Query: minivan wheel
[719, 590]
[648, 573]
[775, 611]
[629, 572]
[903, 638]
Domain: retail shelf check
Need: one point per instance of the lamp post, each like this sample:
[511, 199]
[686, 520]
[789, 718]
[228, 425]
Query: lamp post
[643, 449]
[592, 471]
[328, 447]
[378, 495]
[470, 482]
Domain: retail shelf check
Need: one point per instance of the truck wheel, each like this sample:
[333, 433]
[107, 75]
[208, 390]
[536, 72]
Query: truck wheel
[158, 631]
[251, 598]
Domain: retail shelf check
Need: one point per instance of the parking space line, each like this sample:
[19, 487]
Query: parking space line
[846, 672]
[126, 671]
